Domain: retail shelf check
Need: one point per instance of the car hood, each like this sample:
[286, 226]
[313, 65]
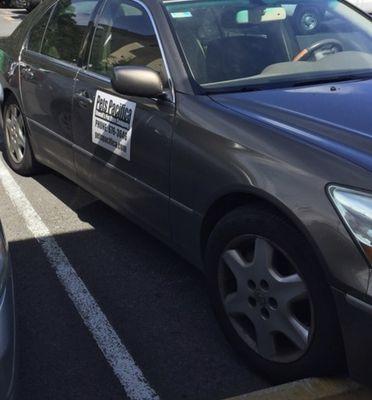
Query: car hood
[337, 117]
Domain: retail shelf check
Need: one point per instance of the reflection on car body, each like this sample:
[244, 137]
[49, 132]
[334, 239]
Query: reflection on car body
[235, 136]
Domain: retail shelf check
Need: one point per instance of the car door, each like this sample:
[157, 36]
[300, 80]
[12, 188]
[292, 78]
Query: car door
[131, 171]
[48, 68]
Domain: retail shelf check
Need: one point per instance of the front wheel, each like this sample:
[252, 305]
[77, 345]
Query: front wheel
[270, 298]
[18, 151]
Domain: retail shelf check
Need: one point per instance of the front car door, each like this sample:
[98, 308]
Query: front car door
[48, 68]
[125, 160]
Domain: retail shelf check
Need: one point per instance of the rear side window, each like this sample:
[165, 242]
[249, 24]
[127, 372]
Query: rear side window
[37, 32]
[67, 28]
[124, 36]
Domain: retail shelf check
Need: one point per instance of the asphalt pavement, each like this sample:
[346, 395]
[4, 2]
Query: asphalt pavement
[153, 300]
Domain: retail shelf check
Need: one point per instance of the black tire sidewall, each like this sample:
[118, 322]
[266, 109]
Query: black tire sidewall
[325, 352]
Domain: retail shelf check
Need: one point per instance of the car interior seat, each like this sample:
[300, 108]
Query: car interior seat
[237, 57]
[248, 49]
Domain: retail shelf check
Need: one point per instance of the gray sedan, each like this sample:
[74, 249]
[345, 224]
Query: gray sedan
[240, 141]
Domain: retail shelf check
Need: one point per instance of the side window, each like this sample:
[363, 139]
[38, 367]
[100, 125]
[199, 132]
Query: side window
[37, 32]
[67, 28]
[124, 36]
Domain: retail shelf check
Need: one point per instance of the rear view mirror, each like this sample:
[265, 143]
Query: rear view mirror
[237, 19]
[137, 81]
[261, 14]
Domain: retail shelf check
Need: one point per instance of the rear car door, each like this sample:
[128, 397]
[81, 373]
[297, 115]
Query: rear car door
[48, 68]
[130, 172]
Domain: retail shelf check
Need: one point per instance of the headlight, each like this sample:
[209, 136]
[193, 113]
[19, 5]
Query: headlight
[355, 209]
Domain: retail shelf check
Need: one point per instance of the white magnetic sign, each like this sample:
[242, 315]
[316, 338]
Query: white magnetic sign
[112, 123]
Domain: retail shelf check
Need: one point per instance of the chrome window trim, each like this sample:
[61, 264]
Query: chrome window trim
[25, 43]
[47, 25]
[95, 75]
[147, 10]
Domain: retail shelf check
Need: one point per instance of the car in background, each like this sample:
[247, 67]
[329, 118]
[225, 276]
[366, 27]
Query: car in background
[308, 15]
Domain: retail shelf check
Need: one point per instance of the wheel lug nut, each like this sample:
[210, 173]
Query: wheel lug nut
[252, 301]
[251, 284]
[265, 313]
[264, 285]
[273, 303]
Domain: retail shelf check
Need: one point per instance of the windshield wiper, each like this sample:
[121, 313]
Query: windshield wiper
[235, 90]
[250, 89]
[334, 79]
[286, 84]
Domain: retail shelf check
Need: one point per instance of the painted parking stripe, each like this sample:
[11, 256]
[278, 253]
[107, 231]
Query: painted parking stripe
[130, 376]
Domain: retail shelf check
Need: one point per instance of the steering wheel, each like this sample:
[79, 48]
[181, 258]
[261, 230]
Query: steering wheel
[332, 45]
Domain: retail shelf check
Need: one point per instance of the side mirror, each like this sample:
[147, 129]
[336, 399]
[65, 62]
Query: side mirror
[137, 81]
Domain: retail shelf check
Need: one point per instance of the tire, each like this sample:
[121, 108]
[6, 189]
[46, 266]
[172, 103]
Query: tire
[250, 307]
[307, 20]
[25, 163]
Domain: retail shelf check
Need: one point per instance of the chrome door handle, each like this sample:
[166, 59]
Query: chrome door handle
[28, 73]
[83, 99]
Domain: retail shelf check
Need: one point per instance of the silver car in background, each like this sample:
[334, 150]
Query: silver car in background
[309, 15]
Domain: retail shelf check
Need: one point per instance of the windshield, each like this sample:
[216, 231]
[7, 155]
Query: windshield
[253, 44]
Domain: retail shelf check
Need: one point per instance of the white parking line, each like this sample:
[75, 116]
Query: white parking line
[116, 354]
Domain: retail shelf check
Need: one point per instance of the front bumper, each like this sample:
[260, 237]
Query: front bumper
[355, 317]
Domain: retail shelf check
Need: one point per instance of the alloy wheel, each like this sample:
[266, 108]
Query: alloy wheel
[265, 299]
[15, 132]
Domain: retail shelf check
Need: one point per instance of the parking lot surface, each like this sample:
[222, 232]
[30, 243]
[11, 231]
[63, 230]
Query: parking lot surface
[154, 301]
